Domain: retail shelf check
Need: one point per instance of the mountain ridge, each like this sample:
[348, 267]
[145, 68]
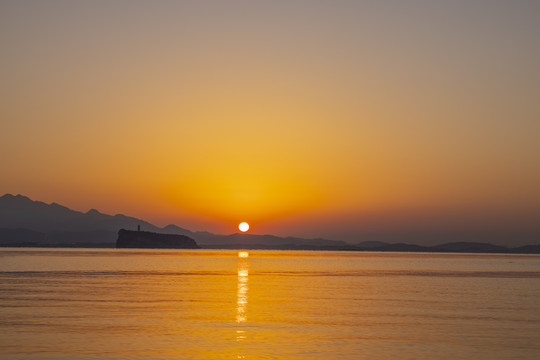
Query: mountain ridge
[21, 212]
[25, 222]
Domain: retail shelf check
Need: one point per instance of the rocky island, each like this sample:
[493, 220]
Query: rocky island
[150, 240]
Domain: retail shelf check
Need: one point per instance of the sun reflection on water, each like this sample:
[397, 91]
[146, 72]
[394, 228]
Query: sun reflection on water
[242, 293]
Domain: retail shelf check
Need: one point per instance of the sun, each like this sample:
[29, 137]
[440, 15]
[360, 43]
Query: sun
[243, 227]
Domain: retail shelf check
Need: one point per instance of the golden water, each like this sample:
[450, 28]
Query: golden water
[134, 304]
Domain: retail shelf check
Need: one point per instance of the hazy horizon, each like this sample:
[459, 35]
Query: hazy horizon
[303, 118]
[426, 237]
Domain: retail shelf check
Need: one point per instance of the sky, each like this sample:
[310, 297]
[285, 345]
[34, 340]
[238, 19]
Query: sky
[335, 119]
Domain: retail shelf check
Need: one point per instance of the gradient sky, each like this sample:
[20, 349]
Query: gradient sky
[307, 118]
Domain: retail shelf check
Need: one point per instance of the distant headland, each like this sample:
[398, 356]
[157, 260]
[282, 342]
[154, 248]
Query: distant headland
[150, 240]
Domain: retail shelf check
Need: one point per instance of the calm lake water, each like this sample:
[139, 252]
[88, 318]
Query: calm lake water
[199, 304]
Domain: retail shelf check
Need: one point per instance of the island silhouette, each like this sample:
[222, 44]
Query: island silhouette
[150, 240]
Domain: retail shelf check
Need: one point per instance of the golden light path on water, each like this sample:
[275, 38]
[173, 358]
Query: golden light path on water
[242, 294]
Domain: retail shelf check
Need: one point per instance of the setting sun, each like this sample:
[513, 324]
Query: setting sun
[243, 227]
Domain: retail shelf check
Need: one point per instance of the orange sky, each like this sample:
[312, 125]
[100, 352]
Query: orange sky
[304, 118]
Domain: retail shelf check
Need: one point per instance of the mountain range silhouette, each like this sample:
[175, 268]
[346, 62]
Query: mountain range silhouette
[24, 222]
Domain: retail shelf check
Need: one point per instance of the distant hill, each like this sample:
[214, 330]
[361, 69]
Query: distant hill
[21, 212]
[372, 244]
[260, 241]
[470, 247]
[457, 247]
[30, 238]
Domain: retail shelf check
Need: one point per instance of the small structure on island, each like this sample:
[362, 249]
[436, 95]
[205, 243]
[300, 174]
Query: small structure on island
[150, 240]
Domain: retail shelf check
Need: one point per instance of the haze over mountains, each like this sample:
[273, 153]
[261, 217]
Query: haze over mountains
[24, 222]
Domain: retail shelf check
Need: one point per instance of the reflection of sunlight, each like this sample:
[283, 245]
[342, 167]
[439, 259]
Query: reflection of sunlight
[240, 335]
[243, 254]
[242, 273]
[242, 293]
[242, 301]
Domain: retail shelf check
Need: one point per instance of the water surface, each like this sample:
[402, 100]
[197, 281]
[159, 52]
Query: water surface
[199, 304]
